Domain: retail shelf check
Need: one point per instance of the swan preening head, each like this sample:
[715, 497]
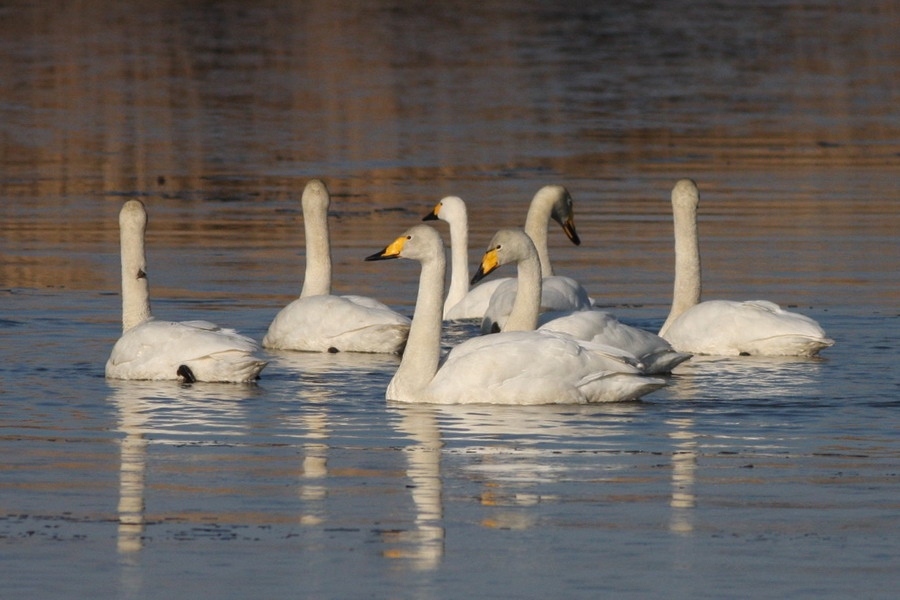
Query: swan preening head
[563, 210]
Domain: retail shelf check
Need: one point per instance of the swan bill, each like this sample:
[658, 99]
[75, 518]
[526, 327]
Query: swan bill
[390, 251]
[488, 264]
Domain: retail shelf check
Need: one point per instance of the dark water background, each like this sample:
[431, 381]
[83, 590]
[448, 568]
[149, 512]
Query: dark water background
[743, 478]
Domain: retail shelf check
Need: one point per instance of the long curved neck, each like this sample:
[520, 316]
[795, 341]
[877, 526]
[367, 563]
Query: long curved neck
[423, 346]
[459, 261]
[536, 225]
[687, 289]
[317, 281]
[524, 313]
[135, 289]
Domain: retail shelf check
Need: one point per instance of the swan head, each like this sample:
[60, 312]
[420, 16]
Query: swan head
[685, 194]
[507, 246]
[556, 200]
[315, 195]
[418, 243]
[451, 209]
[564, 213]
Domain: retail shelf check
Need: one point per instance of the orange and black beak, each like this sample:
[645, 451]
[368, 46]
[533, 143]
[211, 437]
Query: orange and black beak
[488, 263]
[390, 251]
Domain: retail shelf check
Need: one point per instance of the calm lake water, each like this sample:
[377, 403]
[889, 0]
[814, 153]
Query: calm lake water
[743, 478]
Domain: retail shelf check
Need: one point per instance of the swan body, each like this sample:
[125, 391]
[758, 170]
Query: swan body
[318, 321]
[724, 327]
[654, 354]
[523, 367]
[151, 349]
[550, 202]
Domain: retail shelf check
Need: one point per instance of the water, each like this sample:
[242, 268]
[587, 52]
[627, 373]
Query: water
[741, 478]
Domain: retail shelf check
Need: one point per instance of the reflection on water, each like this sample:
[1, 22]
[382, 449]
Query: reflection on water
[424, 546]
[684, 467]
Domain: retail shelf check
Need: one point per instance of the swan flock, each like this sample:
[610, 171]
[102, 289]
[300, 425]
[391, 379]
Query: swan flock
[543, 340]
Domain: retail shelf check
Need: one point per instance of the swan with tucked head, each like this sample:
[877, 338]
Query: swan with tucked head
[507, 246]
[319, 321]
[149, 349]
[523, 367]
[725, 327]
[494, 298]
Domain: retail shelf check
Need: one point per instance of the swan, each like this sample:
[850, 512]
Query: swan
[725, 327]
[522, 367]
[462, 302]
[513, 246]
[321, 322]
[149, 349]
[495, 297]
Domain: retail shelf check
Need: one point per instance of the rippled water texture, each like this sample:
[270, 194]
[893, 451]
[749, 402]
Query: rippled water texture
[774, 478]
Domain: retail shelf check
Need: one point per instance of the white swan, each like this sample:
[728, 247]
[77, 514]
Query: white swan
[495, 298]
[462, 302]
[150, 349]
[523, 367]
[725, 327]
[655, 354]
[320, 322]
[557, 292]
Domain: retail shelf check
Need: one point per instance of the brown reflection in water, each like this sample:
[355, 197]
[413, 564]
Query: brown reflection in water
[217, 114]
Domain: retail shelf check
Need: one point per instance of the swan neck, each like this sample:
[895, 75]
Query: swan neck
[135, 288]
[537, 223]
[688, 283]
[525, 309]
[459, 263]
[423, 346]
[317, 280]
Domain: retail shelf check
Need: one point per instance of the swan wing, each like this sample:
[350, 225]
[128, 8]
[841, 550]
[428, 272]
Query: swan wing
[330, 323]
[158, 349]
[530, 367]
[655, 353]
[756, 327]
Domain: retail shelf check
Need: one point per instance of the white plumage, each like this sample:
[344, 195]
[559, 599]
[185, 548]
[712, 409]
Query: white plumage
[507, 246]
[151, 349]
[525, 367]
[726, 327]
[321, 322]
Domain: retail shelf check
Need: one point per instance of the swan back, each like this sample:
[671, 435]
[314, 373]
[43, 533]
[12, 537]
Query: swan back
[151, 349]
[315, 202]
[135, 288]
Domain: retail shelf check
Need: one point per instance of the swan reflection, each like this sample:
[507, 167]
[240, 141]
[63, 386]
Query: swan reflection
[165, 412]
[747, 377]
[423, 547]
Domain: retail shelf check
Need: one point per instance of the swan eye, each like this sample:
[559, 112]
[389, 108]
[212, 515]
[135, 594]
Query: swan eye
[409, 237]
